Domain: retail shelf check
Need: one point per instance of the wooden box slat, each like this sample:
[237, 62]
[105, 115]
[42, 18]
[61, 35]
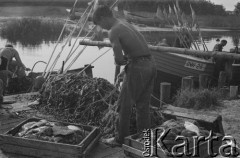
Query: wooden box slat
[134, 148]
[40, 148]
[209, 121]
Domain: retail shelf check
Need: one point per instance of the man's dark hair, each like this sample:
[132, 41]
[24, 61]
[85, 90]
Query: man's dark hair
[223, 41]
[9, 45]
[101, 11]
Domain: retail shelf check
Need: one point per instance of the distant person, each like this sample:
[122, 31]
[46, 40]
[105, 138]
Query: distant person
[219, 47]
[219, 62]
[218, 41]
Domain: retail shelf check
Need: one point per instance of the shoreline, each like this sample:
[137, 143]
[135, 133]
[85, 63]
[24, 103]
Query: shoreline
[208, 29]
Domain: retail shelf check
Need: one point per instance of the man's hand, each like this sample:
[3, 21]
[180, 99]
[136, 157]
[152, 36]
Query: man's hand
[27, 69]
[121, 76]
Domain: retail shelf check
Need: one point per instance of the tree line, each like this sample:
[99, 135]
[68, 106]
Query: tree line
[201, 7]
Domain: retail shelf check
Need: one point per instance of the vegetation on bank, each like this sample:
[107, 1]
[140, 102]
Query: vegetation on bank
[32, 31]
[230, 21]
[201, 7]
[198, 99]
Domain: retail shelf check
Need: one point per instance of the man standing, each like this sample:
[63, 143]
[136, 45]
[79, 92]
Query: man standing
[130, 49]
[220, 63]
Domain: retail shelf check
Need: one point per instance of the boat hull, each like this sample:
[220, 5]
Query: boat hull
[149, 21]
[173, 67]
[182, 65]
[25, 84]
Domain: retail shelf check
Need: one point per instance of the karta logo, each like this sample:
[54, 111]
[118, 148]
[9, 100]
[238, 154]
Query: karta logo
[187, 146]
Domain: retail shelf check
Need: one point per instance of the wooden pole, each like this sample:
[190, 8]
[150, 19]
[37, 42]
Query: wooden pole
[63, 63]
[187, 83]
[165, 91]
[88, 70]
[200, 53]
[233, 91]
[203, 81]
[222, 79]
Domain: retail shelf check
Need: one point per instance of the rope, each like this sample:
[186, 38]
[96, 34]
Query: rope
[94, 61]
[80, 42]
[65, 24]
[84, 47]
[68, 39]
[79, 34]
[72, 62]
[36, 64]
[49, 72]
[55, 47]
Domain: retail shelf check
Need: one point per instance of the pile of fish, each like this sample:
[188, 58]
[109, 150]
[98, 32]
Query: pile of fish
[52, 131]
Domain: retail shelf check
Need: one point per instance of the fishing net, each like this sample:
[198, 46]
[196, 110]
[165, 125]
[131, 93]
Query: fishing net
[82, 99]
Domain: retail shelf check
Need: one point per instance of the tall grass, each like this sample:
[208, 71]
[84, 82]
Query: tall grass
[32, 31]
[219, 21]
[198, 99]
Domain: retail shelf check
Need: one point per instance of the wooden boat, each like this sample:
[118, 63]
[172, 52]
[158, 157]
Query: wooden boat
[25, 84]
[173, 67]
[74, 14]
[138, 19]
[175, 63]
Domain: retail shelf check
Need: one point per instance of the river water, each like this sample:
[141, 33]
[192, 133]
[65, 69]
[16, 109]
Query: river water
[104, 66]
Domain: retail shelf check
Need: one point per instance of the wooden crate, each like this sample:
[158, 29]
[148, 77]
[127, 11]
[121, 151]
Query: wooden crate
[134, 148]
[208, 121]
[45, 149]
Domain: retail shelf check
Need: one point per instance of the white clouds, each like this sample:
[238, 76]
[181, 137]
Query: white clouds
[228, 4]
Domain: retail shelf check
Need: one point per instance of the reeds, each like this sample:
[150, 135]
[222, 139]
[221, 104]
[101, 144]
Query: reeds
[230, 21]
[32, 31]
[198, 99]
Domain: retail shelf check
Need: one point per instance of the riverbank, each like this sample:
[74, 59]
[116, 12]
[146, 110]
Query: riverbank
[207, 23]
[228, 110]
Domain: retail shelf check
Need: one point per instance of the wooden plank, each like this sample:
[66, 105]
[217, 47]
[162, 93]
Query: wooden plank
[36, 152]
[132, 150]
[208, 120]
[103, 151]
[190, 113]
[20, 96]
[135, 148]
[91, 145]
[184, 51]
[8, 127]
[38, 144]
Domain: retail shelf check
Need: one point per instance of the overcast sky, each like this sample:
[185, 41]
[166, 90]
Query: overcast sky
[228, 4]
